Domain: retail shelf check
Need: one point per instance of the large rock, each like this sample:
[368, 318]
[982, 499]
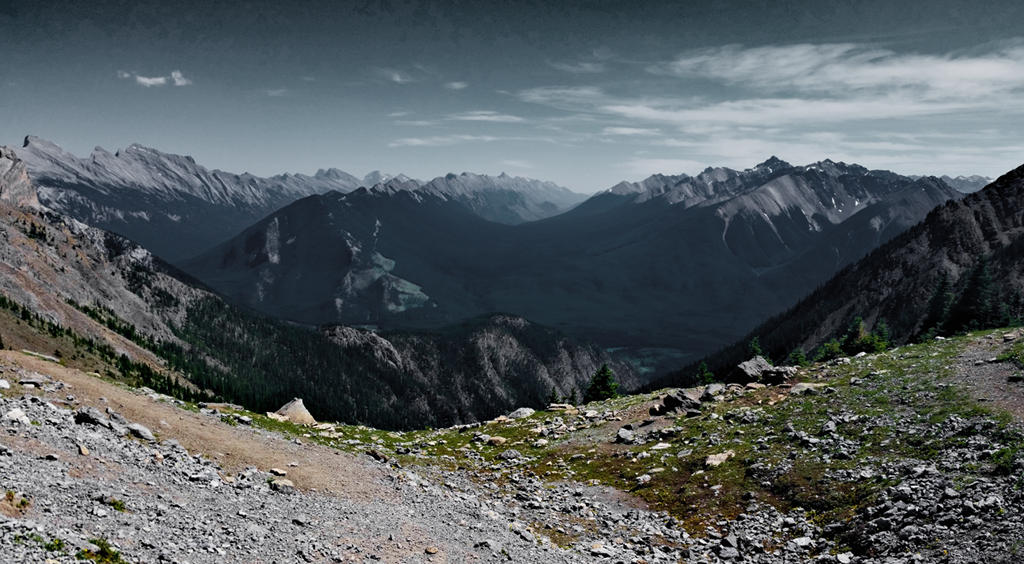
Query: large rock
[141, 431]
[750, 370]
[521, 413]
[295, 411]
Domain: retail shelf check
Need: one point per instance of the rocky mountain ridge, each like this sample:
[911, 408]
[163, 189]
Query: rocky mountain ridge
[178, 208]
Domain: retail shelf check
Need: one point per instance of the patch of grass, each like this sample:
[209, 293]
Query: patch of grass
[105, 555]
[55, 545]
[1005, 458]
[115, 504]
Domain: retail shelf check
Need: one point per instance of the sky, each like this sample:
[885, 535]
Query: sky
[583, 93]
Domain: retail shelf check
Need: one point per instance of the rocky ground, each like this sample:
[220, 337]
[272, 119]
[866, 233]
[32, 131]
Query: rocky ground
[895, 457]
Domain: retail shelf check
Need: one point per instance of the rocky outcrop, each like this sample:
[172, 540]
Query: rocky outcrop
[15, 186]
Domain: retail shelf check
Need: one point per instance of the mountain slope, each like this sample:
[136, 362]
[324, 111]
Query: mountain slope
[960, 267]
[683, 263]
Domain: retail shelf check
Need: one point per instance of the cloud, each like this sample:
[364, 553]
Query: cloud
[395, 75]
[578, 67]
[276, 92]
[176, 78]
[841, 69]
[517, 163]
[630, 131]
[179, 79]
[457, 85]
[151, 81]
[485, 115]
[416, 122]
[441, 140]
[458, 139]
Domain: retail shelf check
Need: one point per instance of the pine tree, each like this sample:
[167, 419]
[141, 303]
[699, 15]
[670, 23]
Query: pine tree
[938, 310]
[797, 358]
[754, 347]
[602, 385]
[574, 398]
[553, 396]
[704, 375]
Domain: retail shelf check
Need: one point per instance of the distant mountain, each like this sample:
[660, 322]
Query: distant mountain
[178, 208]
[167, 202]
[963, 266]
[967, 184]
[673, 262]
[118, 298]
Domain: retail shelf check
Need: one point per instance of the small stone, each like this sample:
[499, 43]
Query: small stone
[431, 550]
[278, 472]
[715, 460]
[496, 441]
[83, 450]
[5, 385]
[661, 446]
[624, 436]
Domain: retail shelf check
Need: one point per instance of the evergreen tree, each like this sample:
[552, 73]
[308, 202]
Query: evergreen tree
[553, 396]
[754, 347]
[976, 307]
[796, 358]
[574, 398]
[602, 386]
[938, 310]
[704, 375]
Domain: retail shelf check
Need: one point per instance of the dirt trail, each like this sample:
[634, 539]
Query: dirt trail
[988, 381]
[320, 468]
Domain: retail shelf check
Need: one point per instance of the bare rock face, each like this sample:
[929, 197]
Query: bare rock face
[15, 186]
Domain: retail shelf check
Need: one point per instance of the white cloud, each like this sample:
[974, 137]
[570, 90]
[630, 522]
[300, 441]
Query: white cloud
[441, 140]
[458, 139]
[179, 79]
[631, 131]
[395, 75]
[276, 92]
[457, 85]
[842, 69]
[485, 115]
[517, 163]
[416, 122]
[151, 81]
[578, 67]
[176, 78]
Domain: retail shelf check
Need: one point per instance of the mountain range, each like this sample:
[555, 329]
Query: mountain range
[178, 208]
[682, 264]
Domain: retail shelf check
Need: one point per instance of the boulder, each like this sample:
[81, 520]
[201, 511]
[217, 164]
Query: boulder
[776, 375]
[282, 485]
[521, 413]
[750, 370]
[295, 411]
[141, 431]
[712, 391]
[624, 436]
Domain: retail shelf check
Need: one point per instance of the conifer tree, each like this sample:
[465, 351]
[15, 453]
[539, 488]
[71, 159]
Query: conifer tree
[602, 385]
